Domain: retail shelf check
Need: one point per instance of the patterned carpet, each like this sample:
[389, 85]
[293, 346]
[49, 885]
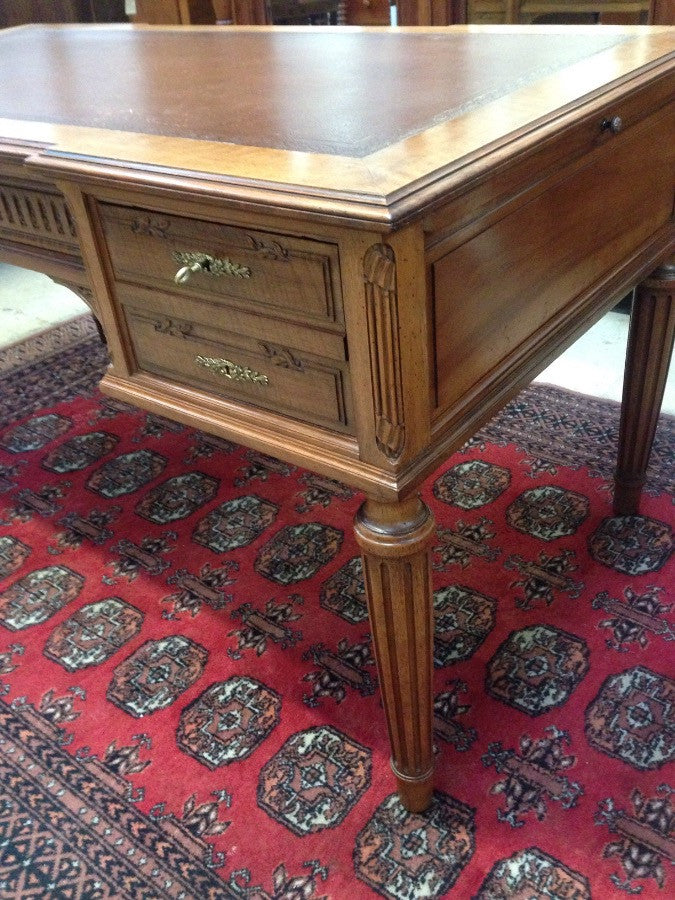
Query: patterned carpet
[189, 700]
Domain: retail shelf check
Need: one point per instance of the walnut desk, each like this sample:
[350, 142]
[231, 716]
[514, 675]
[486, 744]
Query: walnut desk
[348, 248]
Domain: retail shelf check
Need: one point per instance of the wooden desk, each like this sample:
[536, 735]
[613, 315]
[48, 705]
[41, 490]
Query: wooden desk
[381, 237]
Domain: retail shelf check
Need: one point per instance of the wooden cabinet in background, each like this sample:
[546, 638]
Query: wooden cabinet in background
[21, 12]
[522, 12]
[174, 12]
[663, 12]
[340, 12]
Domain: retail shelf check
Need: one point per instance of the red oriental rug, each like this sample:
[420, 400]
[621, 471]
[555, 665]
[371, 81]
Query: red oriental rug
[189, 699]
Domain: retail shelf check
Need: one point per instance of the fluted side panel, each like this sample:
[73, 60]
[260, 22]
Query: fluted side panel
[37, 217]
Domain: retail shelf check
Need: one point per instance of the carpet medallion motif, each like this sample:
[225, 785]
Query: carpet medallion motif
[235, 523]
[189, 704]
[93, 634]
[123, 474]
[156, 674]
[537, 668]
[633, 545]
[228, 721]
[633, 718]
[315, 780]
[470, 485]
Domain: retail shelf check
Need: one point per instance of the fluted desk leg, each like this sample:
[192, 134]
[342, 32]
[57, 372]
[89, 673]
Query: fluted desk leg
[395, 538]
[650, 346]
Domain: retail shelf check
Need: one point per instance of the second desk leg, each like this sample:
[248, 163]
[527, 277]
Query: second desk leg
[395, 538]
[650, 345]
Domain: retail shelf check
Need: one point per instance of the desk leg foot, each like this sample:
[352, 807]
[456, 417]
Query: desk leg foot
[394, 539]
[650, 345]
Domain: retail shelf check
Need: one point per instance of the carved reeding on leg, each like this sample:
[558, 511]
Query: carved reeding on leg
[650, 346]
[395, 539]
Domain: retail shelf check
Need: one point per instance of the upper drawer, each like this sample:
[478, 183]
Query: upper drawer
[38, 216]
[288, 276]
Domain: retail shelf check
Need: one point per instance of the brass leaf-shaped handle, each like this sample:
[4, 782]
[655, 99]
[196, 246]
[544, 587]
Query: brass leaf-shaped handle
[231, 370]
[195, 261]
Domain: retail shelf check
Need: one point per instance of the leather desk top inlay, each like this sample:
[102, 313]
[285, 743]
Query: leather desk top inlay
[348, 93]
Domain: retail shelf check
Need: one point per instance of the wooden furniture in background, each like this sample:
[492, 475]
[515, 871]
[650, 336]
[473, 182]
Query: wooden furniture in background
[175, 12]
[606, 12]
[662, 12]
[357, 292]
[22, 12]
[350, 12]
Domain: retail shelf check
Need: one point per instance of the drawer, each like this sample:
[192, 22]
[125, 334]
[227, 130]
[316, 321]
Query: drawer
[246, 322]
[292, 277]
[242, 358]
[559, 245]
[36, 215]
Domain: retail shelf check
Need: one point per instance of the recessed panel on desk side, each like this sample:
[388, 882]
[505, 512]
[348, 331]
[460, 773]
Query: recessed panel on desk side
[497, 290]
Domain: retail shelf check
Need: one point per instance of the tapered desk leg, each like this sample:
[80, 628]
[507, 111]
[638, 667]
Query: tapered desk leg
[650, 346]
[395, 538]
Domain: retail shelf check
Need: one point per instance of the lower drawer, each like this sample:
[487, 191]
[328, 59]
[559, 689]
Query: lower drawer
[241, 367]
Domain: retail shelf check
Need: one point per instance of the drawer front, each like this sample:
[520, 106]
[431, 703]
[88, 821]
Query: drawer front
[501, 287]
[36, 216]
[287, 276]
[179, 342]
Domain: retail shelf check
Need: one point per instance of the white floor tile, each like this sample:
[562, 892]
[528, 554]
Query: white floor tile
[31, 302]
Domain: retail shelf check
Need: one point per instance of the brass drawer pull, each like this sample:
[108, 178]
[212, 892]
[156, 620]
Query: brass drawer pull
[183, 274]
[194, 261]
[233, 371]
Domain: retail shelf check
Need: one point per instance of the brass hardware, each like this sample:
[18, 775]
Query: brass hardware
[183, 274]
[233, 371]
[193, 261]
[615, 124]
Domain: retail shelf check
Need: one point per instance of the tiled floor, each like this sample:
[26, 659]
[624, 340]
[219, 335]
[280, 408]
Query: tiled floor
[29, 303]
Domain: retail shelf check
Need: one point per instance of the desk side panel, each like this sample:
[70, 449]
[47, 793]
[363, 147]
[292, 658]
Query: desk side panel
[501, 291]
[37, 228]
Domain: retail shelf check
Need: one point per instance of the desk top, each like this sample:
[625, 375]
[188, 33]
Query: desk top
[364, 116]
[346, 93]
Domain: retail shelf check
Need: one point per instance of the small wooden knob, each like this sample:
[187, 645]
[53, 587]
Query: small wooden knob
[615, 124]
